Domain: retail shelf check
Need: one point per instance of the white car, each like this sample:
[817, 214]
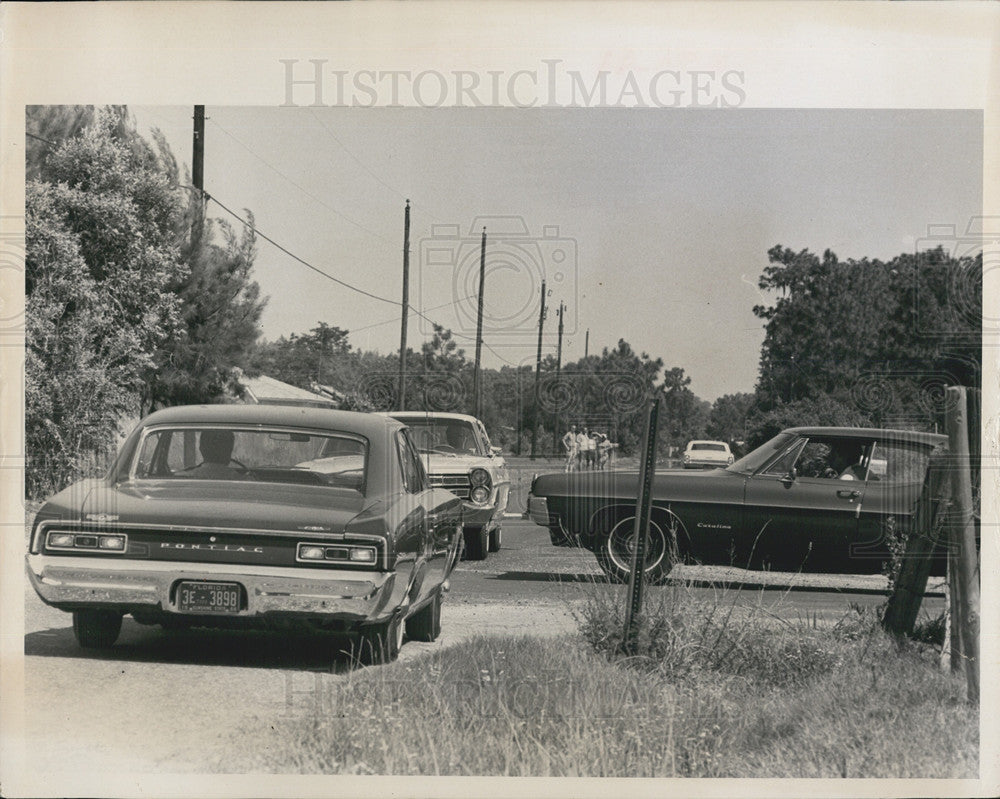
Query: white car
[458, 456]
[700, 454]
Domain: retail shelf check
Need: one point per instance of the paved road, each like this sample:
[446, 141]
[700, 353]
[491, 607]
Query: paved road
[163, 701]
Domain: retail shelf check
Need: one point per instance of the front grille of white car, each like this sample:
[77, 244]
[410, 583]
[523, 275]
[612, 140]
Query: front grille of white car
[456, 483]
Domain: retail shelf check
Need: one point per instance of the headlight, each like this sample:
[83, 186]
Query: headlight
[480, 494]
[480, 477]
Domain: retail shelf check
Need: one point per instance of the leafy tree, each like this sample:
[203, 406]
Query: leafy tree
[809, 412]
[881, 339]
[683, 415]
[221, 309]
[100, 260]
[302, 360]
[727, 420]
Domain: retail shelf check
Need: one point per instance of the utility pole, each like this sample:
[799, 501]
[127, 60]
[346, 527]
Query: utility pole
[557, 427]
[198, 171]
[479, 328]
[586, 344]
[406, 308]
[538, 371]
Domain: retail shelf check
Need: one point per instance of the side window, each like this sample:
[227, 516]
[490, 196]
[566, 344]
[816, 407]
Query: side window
[418, 465]
[784, 464]
[834, 459]
[413, 475]
[899, 462]
[485, 438]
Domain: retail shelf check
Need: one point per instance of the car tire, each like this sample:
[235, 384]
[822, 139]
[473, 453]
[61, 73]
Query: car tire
[614, 550]
[425, 624]
[496, 539]
[96, 629]
[476, 543]
[379, 643]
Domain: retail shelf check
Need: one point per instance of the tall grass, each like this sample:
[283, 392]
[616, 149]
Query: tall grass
[718, 690]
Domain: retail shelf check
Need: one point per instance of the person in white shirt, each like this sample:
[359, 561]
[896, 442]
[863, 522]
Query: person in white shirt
[588, 450]
[569, 445]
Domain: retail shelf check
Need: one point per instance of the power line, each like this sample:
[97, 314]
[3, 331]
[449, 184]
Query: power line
[39, 138]
[343, 283]
[361, 164]
[305, 191]
[302, 261]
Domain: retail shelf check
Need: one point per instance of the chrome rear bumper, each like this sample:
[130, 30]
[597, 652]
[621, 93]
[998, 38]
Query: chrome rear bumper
[69, 583]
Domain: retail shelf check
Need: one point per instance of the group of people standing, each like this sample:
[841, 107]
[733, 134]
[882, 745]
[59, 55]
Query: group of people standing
[586, 450]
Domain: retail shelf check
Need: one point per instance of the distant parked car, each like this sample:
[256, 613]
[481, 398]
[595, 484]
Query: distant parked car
[458, 456]
[700, 454]
[254, 516]
[819, 498]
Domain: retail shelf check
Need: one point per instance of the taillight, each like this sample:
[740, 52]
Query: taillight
[86, 541]
[339, 553]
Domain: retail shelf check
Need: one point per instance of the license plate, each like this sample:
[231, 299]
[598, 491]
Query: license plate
[208, 597]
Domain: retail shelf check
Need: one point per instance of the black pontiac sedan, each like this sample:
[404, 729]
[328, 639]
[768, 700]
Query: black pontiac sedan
[812, 498]
[253, 515]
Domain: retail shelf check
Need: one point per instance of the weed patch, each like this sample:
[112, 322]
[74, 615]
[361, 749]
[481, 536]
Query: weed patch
[793, 704]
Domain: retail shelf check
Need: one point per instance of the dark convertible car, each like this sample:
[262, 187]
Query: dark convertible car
[253, 515]
[815, 498]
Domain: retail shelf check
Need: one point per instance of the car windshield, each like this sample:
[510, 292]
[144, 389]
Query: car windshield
[253, 454]
[449, 436]
[708, 445]
[752, 461]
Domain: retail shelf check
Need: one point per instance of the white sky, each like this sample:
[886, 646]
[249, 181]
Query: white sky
[665, 215]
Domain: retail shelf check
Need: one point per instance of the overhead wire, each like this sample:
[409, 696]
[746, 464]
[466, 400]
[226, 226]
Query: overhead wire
[257, 232]
[305, 191]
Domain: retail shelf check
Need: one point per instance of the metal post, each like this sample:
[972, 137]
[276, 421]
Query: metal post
[401, 402]
[643, 510]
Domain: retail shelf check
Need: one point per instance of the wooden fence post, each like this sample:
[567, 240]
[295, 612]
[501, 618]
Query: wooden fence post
[911, 582]
[962, 540]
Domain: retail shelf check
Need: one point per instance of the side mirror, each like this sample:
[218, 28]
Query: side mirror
[789, 478]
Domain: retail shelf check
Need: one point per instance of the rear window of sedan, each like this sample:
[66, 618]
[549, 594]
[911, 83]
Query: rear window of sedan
[253, 454]
[703, 445]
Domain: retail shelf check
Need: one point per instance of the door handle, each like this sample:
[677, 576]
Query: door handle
[848, 494]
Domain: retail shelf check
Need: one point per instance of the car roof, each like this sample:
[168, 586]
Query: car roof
[872, 432]
[365, 424]
[706, 441]
[430, 415]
